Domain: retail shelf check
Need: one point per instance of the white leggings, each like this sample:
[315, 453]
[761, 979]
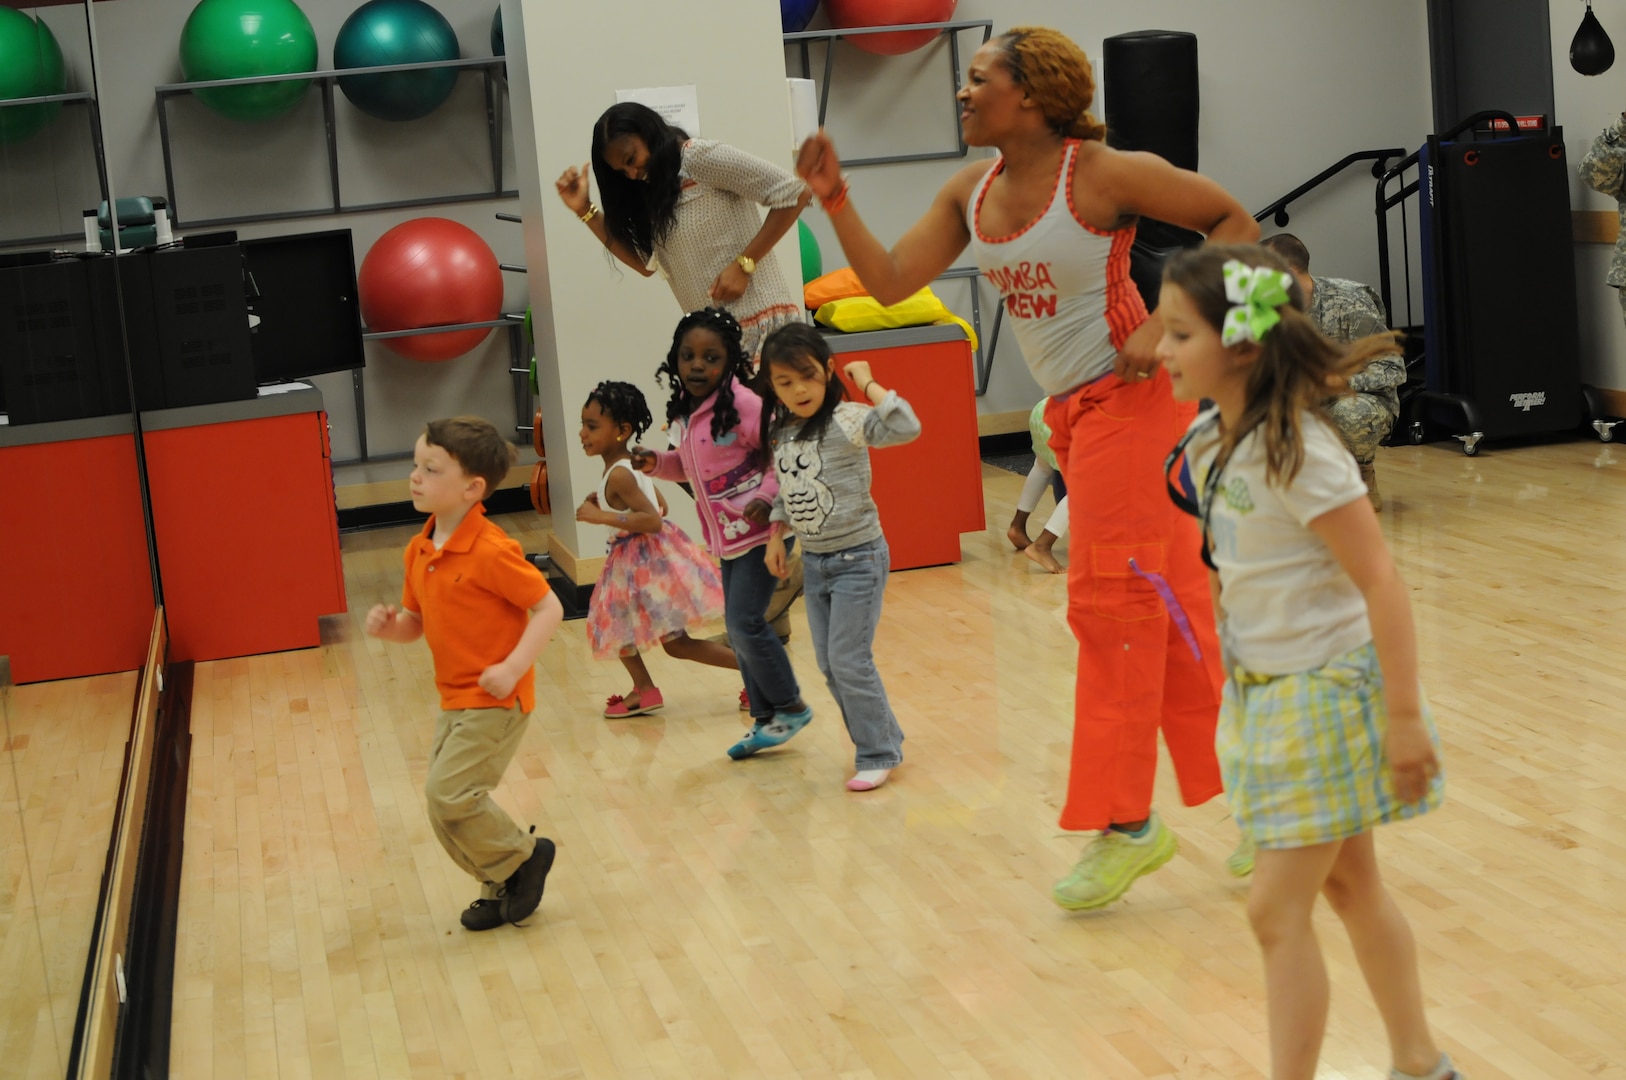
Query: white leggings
[1039, 478]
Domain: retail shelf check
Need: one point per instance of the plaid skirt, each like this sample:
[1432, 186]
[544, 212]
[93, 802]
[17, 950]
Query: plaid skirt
[1303, 755]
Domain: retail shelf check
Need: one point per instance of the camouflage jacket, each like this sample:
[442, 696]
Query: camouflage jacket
[1347, 311]
[1604, 170]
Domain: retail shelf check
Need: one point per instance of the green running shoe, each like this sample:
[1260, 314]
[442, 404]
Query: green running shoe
[1111, 863]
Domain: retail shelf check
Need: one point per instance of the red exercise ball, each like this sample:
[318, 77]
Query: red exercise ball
[848, 14]
[430, 272]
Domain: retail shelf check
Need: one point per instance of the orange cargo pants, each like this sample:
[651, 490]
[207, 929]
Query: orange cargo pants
[1136, 672]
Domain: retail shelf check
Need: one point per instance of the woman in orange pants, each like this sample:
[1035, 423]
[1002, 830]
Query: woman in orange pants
[1051, 222]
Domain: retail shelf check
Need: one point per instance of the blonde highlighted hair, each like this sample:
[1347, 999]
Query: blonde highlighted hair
[1057, 75]
[1298, 367]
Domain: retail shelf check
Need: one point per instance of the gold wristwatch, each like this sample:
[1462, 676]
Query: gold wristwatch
[748, 264]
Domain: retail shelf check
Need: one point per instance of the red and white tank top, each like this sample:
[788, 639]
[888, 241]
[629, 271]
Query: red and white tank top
[1065, 285]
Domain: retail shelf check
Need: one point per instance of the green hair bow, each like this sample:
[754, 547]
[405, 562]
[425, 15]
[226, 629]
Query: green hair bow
[1255, 292]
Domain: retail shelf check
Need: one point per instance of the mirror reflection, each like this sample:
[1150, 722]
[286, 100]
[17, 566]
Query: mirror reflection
[76, 598]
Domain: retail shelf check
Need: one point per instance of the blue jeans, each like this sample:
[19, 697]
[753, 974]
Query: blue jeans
[842, 591]
[770, 684]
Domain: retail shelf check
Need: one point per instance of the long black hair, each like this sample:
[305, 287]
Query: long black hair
[802, 348]
[724, 417]
[639, 213]
[623, 403]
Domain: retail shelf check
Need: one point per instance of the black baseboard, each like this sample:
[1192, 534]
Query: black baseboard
[572, 597]
[382, 515]
[1011, 442]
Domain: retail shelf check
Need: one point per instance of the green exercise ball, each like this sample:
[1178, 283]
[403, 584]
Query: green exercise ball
[812, 258]
[497, 48]
[30, 66]
[238, 39]
[384, 32]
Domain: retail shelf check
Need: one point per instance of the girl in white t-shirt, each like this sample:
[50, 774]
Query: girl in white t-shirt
[1323, 731]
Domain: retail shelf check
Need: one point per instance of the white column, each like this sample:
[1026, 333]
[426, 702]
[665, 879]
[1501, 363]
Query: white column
[594, 321]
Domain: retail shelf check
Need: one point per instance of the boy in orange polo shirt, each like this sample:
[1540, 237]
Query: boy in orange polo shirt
[487, 613]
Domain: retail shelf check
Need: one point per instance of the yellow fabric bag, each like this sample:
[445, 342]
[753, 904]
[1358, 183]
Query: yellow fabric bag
[859, 313]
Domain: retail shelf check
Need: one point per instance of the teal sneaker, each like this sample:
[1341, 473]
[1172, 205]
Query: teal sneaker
[1111, 863]
[770, 733]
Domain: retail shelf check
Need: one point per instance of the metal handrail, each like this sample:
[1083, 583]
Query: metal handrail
[1279, 207]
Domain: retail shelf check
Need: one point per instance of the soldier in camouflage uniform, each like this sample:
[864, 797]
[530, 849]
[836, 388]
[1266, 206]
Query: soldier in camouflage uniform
[1604, 170]
[1347, 311]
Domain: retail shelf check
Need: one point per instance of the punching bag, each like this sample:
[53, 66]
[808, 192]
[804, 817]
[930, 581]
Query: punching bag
[1149, 90]
[1591, 51]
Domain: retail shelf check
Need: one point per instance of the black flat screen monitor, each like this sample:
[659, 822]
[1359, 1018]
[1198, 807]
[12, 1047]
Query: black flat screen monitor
[302, 288]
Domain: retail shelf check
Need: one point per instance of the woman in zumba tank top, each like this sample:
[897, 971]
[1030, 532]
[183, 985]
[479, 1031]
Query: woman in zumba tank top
[1051, 221]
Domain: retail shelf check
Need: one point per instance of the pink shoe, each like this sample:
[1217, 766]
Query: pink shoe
[649, 701]
[745, 700]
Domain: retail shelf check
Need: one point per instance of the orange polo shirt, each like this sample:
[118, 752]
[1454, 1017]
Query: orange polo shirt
[474, 596]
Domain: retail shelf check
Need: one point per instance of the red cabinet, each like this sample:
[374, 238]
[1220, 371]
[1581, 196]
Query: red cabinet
[244, 524]
[75, 584]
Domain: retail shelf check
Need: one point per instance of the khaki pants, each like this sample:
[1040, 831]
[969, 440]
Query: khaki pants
[472, 749]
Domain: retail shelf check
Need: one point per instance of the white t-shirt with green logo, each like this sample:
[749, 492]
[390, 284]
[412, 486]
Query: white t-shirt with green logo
[1287, 605]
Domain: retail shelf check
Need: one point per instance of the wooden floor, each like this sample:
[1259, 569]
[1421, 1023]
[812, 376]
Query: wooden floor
[61, 756]
[709, 918]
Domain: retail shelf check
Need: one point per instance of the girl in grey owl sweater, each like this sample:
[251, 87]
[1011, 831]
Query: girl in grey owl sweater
[821, 447]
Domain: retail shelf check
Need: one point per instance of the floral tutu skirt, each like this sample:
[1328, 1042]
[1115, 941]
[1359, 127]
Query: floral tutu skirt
[653, 587]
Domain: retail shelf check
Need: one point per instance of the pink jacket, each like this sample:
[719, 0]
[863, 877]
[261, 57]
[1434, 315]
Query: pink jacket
[724, 472]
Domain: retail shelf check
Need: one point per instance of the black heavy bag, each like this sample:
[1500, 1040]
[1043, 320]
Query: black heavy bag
[1149, 91]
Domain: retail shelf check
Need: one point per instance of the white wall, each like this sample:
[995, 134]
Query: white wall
[1584, 107]
[1287, 89]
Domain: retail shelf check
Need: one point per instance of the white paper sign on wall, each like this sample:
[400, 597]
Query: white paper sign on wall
[679, 106]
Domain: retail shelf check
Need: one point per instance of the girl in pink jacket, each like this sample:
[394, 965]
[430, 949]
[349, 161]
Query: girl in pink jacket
[716, 420]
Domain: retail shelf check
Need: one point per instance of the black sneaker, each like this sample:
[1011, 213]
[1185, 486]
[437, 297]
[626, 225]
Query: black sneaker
[523, 891]
[483, 915]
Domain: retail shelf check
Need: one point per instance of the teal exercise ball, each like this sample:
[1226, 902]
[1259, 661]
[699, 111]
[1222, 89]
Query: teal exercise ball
[496, 33]
[812, 257]
[238, 39]
[383, 32]
[30, 66]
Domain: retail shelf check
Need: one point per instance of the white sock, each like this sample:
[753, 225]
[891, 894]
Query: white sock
[868, 779]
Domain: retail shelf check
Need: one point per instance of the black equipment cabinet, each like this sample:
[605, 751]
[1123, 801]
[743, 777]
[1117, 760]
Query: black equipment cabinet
[1502, 352]
[65, 322]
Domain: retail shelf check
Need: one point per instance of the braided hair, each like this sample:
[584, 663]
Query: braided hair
[724, 417]
[623, 403]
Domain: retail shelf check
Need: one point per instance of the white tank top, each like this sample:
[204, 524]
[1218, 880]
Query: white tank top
[1065, 285]
[646, 484]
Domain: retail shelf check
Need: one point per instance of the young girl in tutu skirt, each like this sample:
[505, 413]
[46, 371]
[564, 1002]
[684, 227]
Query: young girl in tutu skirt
[656, 584]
